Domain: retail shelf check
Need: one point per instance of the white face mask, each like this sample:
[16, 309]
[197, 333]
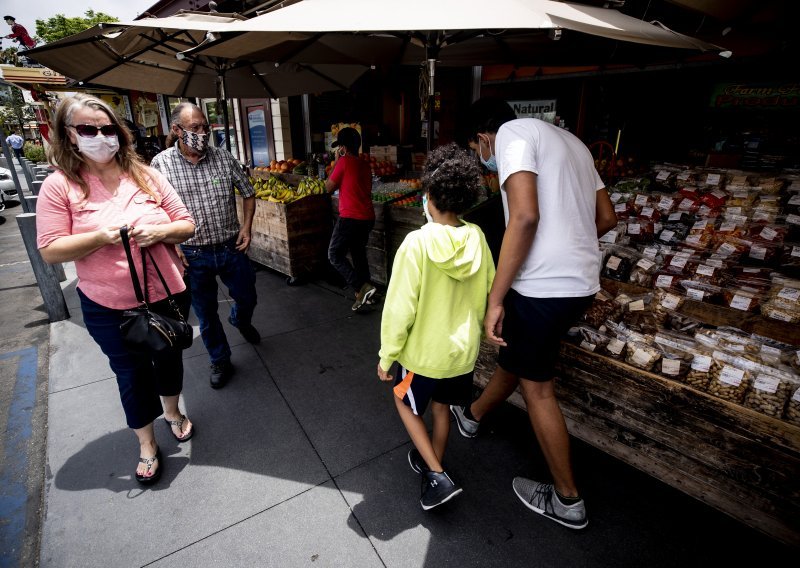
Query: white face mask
[100, 149]
[425, 208]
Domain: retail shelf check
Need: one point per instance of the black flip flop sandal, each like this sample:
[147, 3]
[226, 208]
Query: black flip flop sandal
[179, 423]
[149, 462]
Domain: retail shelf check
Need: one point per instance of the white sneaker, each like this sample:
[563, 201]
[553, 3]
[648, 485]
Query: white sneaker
[467, 427]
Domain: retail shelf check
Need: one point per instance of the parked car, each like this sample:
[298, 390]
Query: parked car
[8, 189]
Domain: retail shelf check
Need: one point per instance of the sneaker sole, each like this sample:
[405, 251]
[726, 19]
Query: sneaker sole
[461, 430]
[443, 501]
[364, 301]
[546, 515]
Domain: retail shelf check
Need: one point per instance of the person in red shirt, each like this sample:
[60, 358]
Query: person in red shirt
[353, 178]
[19, 33]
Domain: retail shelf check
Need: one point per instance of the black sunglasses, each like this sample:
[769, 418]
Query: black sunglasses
[90, 131]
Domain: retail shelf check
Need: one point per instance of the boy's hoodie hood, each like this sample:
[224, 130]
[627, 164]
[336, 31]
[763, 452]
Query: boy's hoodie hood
[454, 250]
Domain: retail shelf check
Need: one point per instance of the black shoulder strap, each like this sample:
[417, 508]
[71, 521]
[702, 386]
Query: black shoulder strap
[123, 232]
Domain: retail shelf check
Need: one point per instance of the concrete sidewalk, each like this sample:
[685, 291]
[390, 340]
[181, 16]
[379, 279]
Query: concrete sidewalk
[301, 461]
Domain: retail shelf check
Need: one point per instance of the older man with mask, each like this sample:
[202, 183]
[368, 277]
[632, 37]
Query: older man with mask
[205, 178]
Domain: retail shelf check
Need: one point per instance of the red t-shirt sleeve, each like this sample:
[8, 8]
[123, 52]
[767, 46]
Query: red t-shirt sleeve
[337, 175]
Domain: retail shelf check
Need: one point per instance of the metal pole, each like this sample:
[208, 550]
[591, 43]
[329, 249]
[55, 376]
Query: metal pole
[46, 276]
[221, 100]
[13, 169]
[306, 124]
[431, 91]
[477, 75]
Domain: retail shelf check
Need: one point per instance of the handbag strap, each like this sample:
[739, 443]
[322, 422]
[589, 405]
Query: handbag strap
[140, 297]
[123, 233]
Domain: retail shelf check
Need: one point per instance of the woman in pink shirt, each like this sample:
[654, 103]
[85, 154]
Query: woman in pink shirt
[100, 186]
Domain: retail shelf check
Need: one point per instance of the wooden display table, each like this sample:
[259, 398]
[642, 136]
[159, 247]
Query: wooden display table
[291, 238]
[741, 462]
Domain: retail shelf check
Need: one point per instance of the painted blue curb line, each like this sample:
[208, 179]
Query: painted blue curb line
[13, 491]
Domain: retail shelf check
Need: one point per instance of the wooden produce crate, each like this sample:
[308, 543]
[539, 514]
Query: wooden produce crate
[735, 459]
[291, 238]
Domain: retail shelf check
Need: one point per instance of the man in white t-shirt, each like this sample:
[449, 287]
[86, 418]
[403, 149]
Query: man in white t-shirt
[556, 207]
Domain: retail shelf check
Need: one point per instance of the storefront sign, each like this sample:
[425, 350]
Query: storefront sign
[257, 126]
[543, 109]
[756, 96]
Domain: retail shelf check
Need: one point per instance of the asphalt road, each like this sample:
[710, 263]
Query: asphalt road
[24, 354]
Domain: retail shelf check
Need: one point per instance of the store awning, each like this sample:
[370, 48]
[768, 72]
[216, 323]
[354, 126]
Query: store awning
[40, 78]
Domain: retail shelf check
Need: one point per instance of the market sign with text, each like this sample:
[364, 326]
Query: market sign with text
[756, 96]
[544, 109]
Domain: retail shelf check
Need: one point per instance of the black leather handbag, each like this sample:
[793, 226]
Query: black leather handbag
[144, 330]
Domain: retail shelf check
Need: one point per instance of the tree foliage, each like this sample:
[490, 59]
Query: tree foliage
[60, 26]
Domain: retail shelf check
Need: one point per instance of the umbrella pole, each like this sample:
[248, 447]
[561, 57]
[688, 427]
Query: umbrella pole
[431, 91]
[221, 101]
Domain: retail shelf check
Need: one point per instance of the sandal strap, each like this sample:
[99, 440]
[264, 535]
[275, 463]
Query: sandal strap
[179, 422]
[148, 462]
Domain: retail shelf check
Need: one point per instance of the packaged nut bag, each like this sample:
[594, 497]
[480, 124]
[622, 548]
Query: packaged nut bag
[641, 355]
[730, 378]
[678, 353]
[770, 393]
[792, 412]
[602, 308]
[699, 372]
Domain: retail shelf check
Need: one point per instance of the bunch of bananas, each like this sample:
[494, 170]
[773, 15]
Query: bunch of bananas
[310, 186]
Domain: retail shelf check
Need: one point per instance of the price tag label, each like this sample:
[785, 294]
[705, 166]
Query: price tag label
[671, 301]
[705, 270]
[695, 294]
[683, 176]
[726, 249]
[609, 237]
[766, 383]
[588, 346]
[793, 219]
[642, 358]
[715, 262]
[620, 207]
[795, 251]
[763, 215]
[647, 212]
[738, 219]
[664, 281]
[713, 179]
[727, 227]
[741, 194]
[769, 233]
[615, 346]
[645, 263]
[657, 227]
[700, 225]
[634, 229]
[733, 211]
[731, 376]
[704, 210]
[616, 196]
[791, 294]
[670, 366]
[636, 306]
[662, 175]
[686, 204]
[665, 203]
[741, 302]
[613, 262]
[641, 200]
[675, 216]
[666, 235]
[701, 363]
[679, 261]
[770, 351]
[758, 252]
[795, 199]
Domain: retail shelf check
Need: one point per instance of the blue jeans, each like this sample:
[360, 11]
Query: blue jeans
[140, 380]
[234, 269]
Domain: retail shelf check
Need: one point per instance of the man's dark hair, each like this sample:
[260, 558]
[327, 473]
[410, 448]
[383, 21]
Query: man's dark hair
[488, 114]
[452, 178]
[10, 18]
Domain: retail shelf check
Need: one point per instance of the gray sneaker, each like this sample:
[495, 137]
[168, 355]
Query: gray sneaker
[467, 427]
[542, 498]
[438, 488]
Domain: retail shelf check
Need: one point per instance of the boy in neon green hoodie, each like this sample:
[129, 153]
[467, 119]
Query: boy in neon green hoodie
[433, 313]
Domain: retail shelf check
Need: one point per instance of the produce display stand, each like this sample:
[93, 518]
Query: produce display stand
[735, 459]
[291, 238]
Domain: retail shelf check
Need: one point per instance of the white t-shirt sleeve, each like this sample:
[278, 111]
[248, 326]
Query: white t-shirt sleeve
[516, 149]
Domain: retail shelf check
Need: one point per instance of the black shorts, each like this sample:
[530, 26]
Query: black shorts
[416, 391]
[533, 329]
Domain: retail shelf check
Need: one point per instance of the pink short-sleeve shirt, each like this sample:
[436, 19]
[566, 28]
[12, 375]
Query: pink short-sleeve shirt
[104, 276]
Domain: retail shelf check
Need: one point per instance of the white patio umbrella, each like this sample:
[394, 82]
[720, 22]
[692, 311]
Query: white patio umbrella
[154, 55]
[458, 32]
